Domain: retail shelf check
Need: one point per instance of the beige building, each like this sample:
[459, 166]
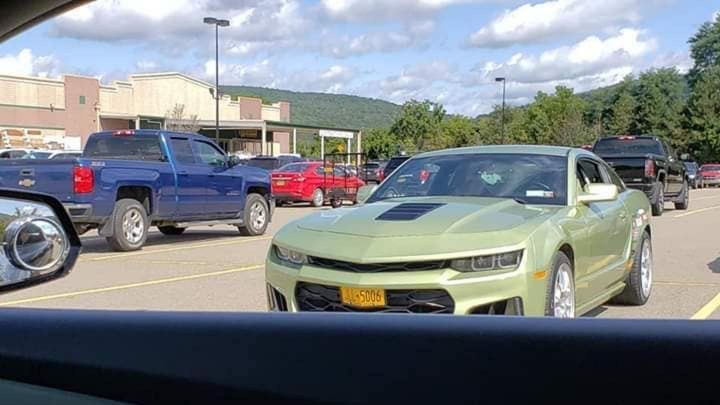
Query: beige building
[50, 113]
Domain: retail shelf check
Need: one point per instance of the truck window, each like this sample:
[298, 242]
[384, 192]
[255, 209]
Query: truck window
[126, 147]
[627, 146]
[182, 150]
[208, 154]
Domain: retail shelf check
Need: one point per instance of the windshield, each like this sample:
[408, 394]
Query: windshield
[635, 146]
[535, 179]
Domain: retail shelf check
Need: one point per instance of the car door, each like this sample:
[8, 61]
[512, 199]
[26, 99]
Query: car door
[224, 185]
[606, 224]
[192, 179]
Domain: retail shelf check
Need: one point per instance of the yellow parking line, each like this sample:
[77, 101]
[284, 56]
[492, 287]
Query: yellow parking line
[171, 249]
[714, 207]
[128, 286]
[708, 308]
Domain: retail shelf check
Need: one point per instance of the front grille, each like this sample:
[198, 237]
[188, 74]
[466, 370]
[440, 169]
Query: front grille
[322, 298]
[377, 267]
[408, 211]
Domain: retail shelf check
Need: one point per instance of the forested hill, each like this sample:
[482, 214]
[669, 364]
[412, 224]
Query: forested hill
[334, 110]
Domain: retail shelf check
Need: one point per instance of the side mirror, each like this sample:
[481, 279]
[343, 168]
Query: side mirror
[233, 160]
[598, 193]
[39, 241]
[365, 192]
[684, 156]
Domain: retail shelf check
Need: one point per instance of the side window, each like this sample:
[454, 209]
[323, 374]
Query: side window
[338, 172]
[320, 171]
[208, 154]
[182, 150]
[591, 172]
[614, 178]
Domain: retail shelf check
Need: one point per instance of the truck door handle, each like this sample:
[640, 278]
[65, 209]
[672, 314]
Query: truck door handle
[182, 173]
[27, 172]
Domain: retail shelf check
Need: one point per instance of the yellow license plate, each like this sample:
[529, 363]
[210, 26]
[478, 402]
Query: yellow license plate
[363, 297]
[280, 182]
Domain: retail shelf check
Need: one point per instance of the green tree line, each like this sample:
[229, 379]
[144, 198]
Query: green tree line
[684, 110]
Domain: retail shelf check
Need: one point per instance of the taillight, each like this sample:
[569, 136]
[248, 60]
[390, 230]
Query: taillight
[83, 180]
[649, 168]
[124, 132]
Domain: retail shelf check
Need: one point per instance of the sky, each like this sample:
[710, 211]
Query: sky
[447, 51]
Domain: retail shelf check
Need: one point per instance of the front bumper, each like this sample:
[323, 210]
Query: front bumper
[290, 197]
[518, 292]
[712, 181]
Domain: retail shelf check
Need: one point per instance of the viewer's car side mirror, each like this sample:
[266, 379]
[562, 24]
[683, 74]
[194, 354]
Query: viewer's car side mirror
[364, 192]
[39, 241]
[598, 193]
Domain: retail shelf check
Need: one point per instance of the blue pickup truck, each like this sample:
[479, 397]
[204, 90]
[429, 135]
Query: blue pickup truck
[127, 180]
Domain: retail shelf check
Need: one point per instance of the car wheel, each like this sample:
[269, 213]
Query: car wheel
[560, 297]
[318, 198]
[336, 203]
[659, 205]
[130, 226]
[684, 202]
[256, 216]
[638, 284]
[171, 230]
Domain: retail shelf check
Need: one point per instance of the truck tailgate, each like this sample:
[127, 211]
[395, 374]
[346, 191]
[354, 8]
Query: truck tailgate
[631, 169]
[53, 177]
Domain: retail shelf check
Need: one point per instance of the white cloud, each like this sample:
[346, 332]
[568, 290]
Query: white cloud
[531, 23]
[375, 10]
[588, 57]
[27, 64]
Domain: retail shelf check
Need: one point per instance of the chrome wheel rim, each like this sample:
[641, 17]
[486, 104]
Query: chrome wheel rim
[318, 198]
[646, 269]
[257, 215]
[564, 293]
[133, 225]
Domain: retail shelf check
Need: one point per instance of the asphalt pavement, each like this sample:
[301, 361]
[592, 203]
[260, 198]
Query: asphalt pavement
[216, 269]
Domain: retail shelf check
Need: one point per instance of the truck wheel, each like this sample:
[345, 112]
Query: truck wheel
[560, 296]
[336, 203]
[130, 226]
[639, 282]
[256, 216]
[318, 198]
[659, 205]
[171, 230]
[684, 200]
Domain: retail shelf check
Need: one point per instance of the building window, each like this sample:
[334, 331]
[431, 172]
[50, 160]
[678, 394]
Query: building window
[82, 99]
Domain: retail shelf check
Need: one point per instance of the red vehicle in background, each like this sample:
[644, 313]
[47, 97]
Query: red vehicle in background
[709, 174]
[312, 182]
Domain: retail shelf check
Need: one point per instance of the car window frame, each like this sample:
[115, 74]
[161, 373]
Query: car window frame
[198, 155]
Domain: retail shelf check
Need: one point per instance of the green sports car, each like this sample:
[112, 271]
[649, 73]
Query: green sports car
[513, 230]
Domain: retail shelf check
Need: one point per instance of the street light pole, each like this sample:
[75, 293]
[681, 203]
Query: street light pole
[217, 23]
[502, 123]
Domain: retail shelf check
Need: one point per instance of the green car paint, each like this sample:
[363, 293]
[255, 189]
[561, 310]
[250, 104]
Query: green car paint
[600, 238]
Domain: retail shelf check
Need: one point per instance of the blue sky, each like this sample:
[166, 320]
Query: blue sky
[443, 50]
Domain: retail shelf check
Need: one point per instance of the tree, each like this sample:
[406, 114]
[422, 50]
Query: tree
[622, 114]
[661, 101]
[457, 131]
[418, 122]
[175, 120]
[704, 115]
[380, 143]
[705, 49]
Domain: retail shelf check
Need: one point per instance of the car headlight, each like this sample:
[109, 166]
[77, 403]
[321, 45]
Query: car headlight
[290, 256]
[501, 261]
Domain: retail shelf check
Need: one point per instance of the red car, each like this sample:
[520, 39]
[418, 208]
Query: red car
[709, 174]
[309, 182]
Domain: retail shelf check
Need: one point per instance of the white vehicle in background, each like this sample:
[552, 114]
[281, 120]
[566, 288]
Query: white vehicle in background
[52, 154]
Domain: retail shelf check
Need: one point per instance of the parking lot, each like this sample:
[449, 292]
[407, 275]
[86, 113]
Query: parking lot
[215, 269]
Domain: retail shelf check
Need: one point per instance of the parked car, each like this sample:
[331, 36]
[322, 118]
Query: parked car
[710, 174]
[391, 165]
[521, 230]
[370, 172]
[273, 162]
[309, 182]
[693, 173]
[648, 164]
[128, 180]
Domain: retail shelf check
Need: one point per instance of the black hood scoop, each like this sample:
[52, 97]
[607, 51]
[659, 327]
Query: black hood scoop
[408, 211]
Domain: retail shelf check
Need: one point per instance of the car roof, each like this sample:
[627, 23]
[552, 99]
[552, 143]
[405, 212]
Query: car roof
[524, 149]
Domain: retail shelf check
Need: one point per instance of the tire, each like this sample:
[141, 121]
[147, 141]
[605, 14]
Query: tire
[171, 230]
[130, 226]
[561, 277]
[659, 205]
[684, 202]
[336, 203]
[638, 285]
[256, 216]
[318, 198]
